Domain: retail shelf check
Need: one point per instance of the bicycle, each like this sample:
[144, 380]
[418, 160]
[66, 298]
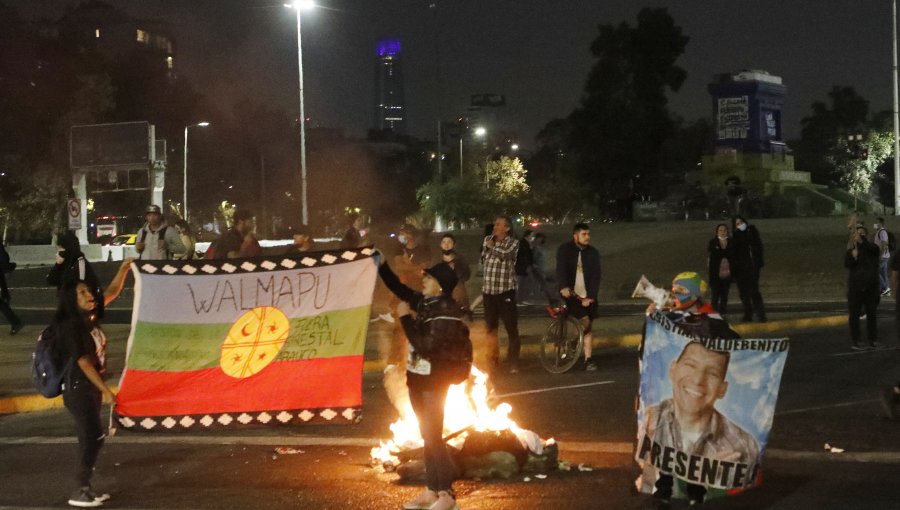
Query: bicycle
[562, 342]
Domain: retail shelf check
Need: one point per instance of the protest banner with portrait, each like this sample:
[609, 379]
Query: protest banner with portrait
[706, 407]
[258, 341]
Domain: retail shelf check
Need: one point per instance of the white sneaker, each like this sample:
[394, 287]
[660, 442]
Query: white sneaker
[386, 317]
[445, 502]
[423, 501]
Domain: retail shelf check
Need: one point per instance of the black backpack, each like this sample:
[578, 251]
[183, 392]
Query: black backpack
[47, 371]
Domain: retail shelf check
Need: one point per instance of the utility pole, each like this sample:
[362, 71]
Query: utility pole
[896, 114]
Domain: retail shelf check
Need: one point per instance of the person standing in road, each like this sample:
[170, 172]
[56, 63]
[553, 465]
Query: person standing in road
[863, 288]
[353, 236]
[72, 266]
[719, 263]
[5, 266]
[155, 240]
[439, 355]
[499, 252]
[746, 265]
[883, 242]
[578, 275]
[81, 342]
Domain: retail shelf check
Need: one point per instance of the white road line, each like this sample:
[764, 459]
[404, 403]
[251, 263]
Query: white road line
[555, 388]
[829, 406]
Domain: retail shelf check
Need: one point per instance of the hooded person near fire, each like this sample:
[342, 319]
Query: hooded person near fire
[440, 355]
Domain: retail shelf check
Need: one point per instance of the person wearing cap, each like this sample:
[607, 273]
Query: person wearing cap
[303, 241]
[155, 240]
[689, 421]
[439, 355]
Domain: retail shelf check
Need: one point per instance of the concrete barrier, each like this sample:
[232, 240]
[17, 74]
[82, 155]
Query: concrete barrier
[45, 254]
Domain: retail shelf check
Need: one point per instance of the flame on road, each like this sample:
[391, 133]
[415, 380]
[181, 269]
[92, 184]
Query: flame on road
[466, 407]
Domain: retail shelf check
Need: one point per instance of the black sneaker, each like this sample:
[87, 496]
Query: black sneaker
[15, 328]
[590, 365]
[85, 498]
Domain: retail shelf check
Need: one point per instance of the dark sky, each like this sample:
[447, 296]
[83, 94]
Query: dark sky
[536, 52]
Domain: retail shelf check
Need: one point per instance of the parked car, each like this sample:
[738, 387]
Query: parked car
[121, 246]
[124, 240]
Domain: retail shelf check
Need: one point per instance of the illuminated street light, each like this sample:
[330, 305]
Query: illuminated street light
[514, 147]
[479, 132]
[199, 124]
[299, 6]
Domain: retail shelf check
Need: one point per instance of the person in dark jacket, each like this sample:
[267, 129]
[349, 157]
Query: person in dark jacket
[460, 265]
[15, 322]
[863, 287]
[440, 354]
[72, 266]
[578, 274]
[720, 253]
[745, 267]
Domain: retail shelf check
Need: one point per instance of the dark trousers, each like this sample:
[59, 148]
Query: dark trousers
[83, 401]
[748, 288]
[719, 289]
[857, 300]
[503, 306]
[665, 483]
[7, 312]
[428, 404]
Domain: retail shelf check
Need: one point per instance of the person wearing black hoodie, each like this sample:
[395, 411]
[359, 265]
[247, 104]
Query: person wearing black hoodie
[73, 267]
[747, 262]
[440, 354]
[863, 287]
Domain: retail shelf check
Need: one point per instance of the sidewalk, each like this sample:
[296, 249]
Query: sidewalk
[611, 332]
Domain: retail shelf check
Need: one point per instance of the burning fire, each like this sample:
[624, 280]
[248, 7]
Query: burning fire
[466, 409]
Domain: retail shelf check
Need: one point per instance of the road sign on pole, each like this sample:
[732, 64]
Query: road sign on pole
[73, 206]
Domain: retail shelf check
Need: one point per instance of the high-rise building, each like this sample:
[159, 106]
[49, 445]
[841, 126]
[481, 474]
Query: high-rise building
[390, 110]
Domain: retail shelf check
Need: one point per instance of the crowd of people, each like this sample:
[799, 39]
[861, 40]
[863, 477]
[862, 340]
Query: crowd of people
[432, 308]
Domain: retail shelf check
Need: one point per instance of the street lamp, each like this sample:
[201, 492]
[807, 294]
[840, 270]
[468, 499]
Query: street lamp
[199, 124]
[298, 6]
[479, 132]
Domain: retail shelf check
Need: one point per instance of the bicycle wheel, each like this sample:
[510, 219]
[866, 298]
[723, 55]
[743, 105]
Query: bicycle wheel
[561, 345]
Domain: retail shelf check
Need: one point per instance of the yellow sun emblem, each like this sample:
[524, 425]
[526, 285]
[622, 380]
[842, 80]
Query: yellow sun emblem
[254, 341]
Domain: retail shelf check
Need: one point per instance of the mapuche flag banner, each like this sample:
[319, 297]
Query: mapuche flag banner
[260, 341]
[706, 409]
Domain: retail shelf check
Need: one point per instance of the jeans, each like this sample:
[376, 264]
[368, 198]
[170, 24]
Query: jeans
[748, 288]
[428, 404]
[503, 306]
[83, 401]
[883, 272]
[7, 312]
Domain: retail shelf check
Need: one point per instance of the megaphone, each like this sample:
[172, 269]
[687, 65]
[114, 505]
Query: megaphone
[661, 297]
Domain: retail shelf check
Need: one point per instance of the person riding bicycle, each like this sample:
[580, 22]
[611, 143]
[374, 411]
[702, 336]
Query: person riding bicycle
[578, 273]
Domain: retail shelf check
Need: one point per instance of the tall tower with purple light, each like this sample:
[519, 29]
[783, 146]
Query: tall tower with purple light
[390, 107]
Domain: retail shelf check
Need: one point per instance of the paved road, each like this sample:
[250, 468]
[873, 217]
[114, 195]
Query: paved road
[828, 396]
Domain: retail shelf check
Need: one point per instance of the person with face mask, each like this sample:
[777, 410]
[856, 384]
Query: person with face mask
[719, 262]
[460, 266]
[863, 288]
[746, 264]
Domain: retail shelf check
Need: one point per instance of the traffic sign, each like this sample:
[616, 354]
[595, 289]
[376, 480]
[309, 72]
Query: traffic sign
[73, 206]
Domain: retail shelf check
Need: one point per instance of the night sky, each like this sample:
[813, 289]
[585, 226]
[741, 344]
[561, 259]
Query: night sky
[536, 52]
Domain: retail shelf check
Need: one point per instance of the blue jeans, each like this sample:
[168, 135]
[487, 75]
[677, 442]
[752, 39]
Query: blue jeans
[428, 404]
[883, 274]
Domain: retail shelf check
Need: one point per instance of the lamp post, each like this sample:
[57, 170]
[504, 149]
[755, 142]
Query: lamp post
[896, 114]
[298, 6]
[479, 132]
[199, 124]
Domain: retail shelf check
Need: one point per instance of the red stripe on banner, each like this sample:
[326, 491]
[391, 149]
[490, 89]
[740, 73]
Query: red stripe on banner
[305, 384]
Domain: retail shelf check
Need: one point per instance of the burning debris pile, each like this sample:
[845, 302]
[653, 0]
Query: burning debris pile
[483, 441]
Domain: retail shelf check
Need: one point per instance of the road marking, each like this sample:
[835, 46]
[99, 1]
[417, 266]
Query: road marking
[555, 388]
[205, 440]
[829, 406]
[867, 351]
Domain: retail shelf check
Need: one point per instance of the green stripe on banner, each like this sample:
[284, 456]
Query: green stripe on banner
[183, 347]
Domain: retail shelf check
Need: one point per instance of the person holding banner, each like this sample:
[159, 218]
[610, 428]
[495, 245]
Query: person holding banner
[685, 434]
[440, 355]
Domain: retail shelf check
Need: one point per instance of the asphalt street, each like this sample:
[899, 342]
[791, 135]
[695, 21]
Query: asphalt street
[829, 395]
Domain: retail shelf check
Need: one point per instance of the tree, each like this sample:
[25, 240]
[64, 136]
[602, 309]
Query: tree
[822, 145]
[857, 161]
[506, 181]
[623, 120]
[457, 200]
